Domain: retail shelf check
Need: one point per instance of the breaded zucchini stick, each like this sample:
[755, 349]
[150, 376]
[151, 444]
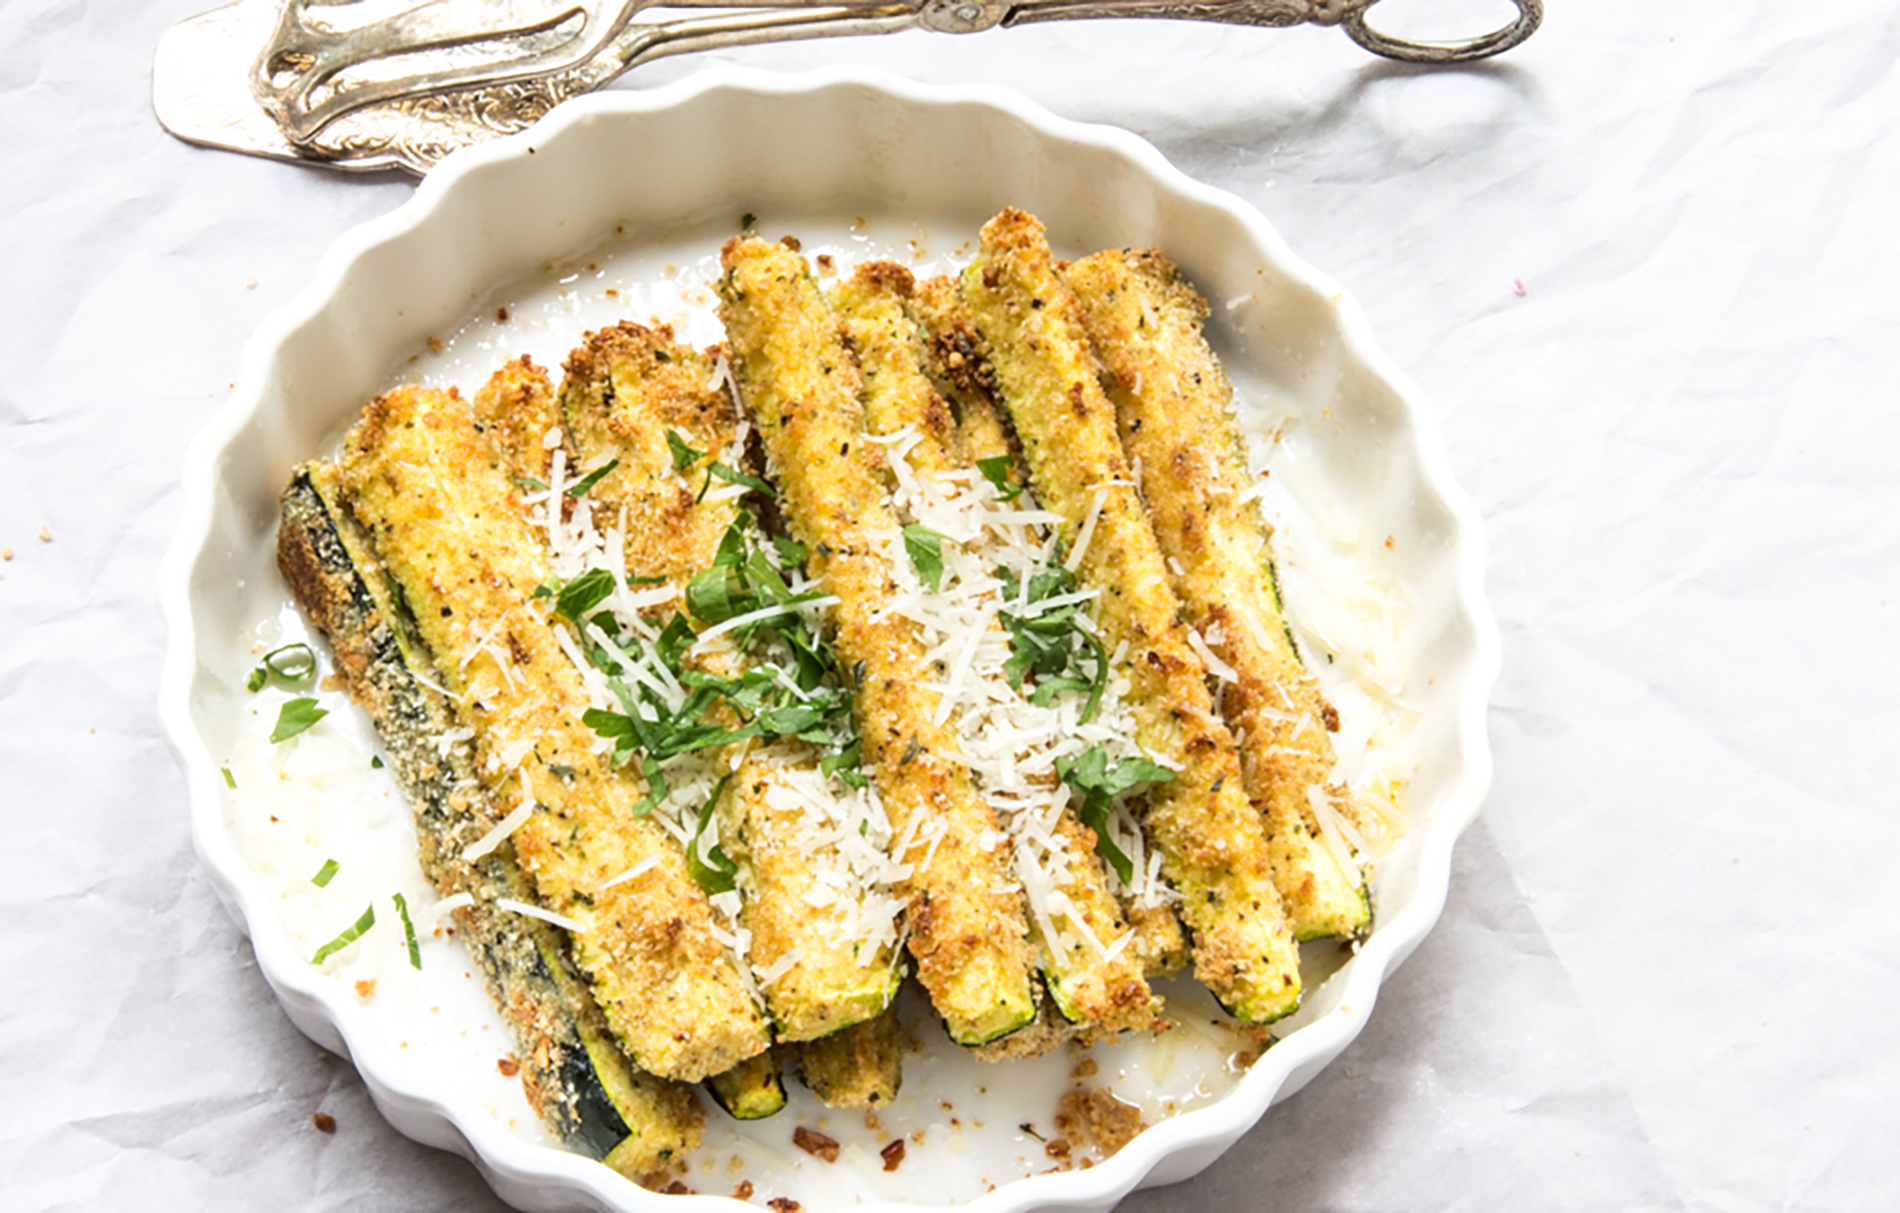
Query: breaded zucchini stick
[573, 1073]
[1091, 988]
[625, 390]
[1175, 411]
[430, 487]
[963, 374]
[967, 930]
[860, 1067]
[1214, 846]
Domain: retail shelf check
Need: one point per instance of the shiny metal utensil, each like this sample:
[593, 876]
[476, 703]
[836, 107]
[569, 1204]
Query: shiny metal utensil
[363, 85]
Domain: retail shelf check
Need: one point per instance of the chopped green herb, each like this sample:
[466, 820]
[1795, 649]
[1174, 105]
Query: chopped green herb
[325, 873]
[996, 470]
[733, 476]
[230, 780]
[1099, 784]
[748, 221]
[790, 552]
[530, 484]
[684, 456]
[925, 548]
[712, 870]
[292, 663]
[408, 931]
[579, 487]
[296, 716]
[584, 593]
[1049, 643]
[350, 935]
[633, 581]
[375, 762]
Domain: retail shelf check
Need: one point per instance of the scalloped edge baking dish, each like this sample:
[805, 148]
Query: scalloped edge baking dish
[732, 140]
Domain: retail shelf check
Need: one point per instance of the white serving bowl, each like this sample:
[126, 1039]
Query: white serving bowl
[832, 144]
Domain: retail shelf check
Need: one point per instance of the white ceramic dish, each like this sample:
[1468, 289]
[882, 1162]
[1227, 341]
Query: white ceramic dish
[642, 172]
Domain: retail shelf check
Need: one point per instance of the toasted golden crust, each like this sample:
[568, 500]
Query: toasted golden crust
[958, 367]
[968, 932]
[430, 487]
[625, 388]
[1213, 845]
[516, 407]
[1174, 407]
[1108, 995]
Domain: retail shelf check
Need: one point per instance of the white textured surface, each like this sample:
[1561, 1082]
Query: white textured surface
[1662, 979]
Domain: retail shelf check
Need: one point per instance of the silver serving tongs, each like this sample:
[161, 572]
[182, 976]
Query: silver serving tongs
[373, 84]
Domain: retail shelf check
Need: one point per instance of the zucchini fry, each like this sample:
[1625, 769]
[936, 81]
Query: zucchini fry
[1075, 919]
[627, 390]
[574, 1075]
[860, 1067]
[1175, 410]
[967, 929]
[429, 485]
[1213, 843]
[962, 372]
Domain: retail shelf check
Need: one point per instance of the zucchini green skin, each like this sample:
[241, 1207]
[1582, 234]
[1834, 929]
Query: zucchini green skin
[579, 1082]
[751, 1090]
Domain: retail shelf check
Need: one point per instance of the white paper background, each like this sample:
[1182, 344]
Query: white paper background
[1666, 977]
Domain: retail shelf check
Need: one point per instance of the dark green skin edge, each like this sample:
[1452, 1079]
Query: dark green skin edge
[751, 1090]
[524, 961]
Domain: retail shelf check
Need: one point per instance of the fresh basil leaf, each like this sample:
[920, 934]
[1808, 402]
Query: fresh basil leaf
[996, 470]
[408, 931]
[350, 935]
[291, 663]
[734, 476]
[925, 548]
[375, 762]
[790, 552]
[579, 487]
[684, 456]
[294, 717]
[718, 594]
[713, 872]
[256, 681]
[325, 873]
[584, 593]
[1095, 817]
[230, 780]
[530, 484]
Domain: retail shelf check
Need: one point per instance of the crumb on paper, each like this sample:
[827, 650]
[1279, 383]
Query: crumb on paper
[1086, 1068]
[678, 1188]
[250, 283]
[46, 535]
[743, 1191]
[366, 988]
[501, 315]
[826, 266]
[434, 344]
[815, 1143]
[784, 1204]
[508, 1065]
[324, 1122]
[790, 242]
[893, 1154]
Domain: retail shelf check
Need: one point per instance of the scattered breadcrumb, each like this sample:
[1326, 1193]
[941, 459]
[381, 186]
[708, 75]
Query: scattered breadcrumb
[743, 1191]
[366, 988]
[784, 1204]
[508, 1066]
[893, 1154]
[324, 1122]
[46, 535]
[815, 1143]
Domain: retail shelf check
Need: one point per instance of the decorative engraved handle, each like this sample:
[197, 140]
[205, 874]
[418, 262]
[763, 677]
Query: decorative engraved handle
[364, 84]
